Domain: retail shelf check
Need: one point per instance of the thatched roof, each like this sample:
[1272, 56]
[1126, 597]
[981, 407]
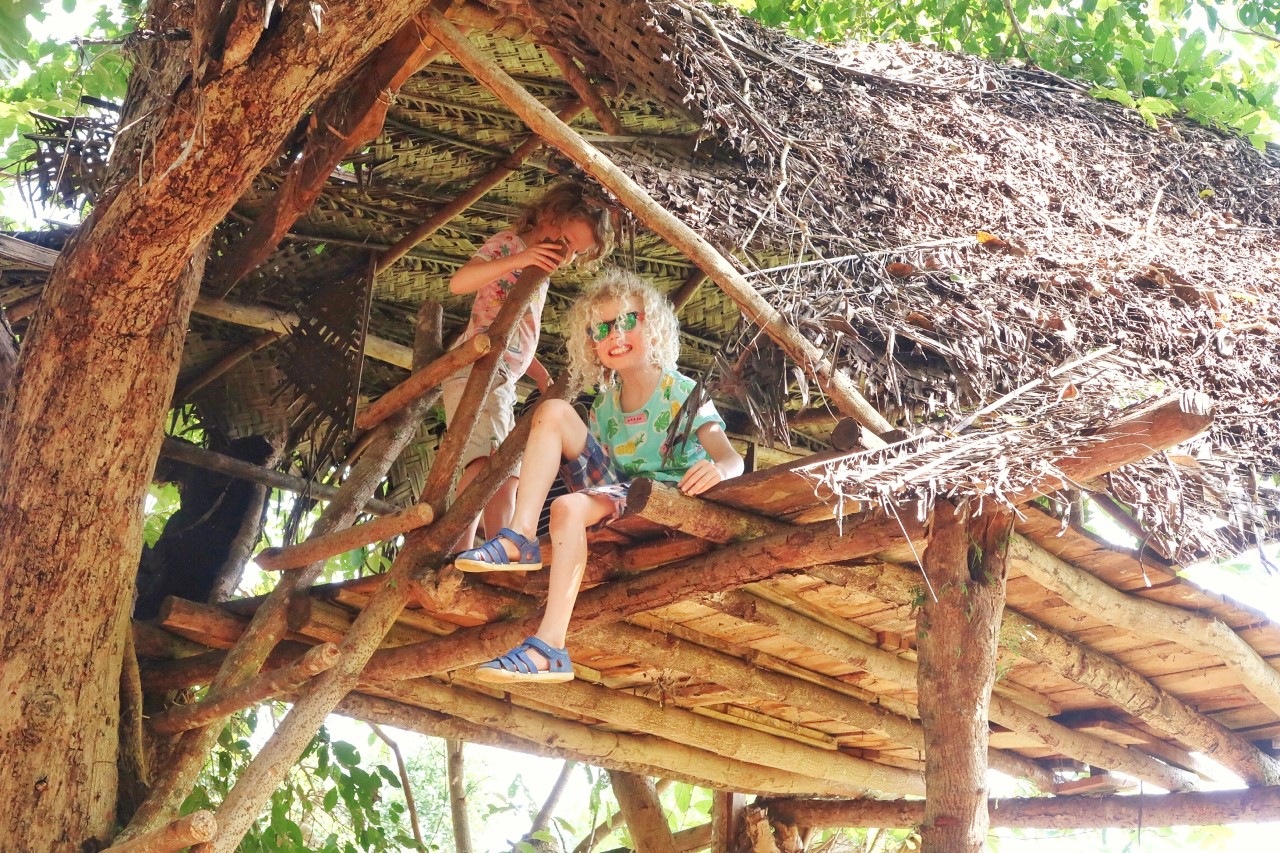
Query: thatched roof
[1003, 263]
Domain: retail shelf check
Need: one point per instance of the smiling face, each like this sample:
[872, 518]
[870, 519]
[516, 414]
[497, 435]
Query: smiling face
[621, 350]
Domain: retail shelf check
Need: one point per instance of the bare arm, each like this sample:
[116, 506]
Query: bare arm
[538, 373]
[724, 464]
[478, 272]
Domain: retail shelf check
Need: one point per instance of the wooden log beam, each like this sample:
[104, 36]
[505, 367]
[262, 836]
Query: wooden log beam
[268, 685]
[721, 738]
[586, 90]
[646, 822]
[726, 820]
[956, 636]
[1082, 665]
[183, 451]
[327, 545]
[680, 296]
[1088, 748]
[347, 119]
[724, 569]
[837, 385]
[643, 754]
[499, 173]
[225, 364]
[270, 620]
[172, 837]
[1201, 808]
[271, 320]
[158, 676]
[422, 381]
[1190, 630]
[745, 678]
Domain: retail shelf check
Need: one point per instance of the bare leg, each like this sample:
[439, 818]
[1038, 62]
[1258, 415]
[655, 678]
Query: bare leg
[571, 515]
[556, 433]
[498, 512]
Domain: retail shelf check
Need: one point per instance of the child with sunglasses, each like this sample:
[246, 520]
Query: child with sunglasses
[624, 338]
[562, 225]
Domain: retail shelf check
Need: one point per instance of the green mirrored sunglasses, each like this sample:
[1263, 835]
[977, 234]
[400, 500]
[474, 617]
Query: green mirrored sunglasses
[623, 323]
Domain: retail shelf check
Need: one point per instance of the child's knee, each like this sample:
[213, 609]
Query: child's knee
[569, 510]
[552, 413]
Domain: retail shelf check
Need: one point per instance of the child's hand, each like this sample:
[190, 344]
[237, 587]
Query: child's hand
[548, 255]
[703, 475]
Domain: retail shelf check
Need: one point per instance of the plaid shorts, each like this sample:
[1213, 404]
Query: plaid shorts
[592, 474]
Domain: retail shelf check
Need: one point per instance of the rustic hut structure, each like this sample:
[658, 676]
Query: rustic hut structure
[1016, 295]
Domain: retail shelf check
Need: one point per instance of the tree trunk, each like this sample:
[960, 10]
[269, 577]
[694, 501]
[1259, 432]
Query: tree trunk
[965, 564]
[80, 434]
[643, 813]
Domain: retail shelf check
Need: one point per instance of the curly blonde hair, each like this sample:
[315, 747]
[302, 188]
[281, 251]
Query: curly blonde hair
[659, 326]
[564, 202]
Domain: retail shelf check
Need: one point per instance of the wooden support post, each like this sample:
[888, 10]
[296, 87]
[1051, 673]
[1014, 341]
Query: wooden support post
[176, 448]
[956, 645]
[328, 545]
[726, 820]
[642, 812]
[422, 381]
[586, 90]
[1188, 629]
[178, 835]
[472, 194]
[838, 386]
[681, 295]
[270, 621]
[268, 685]
[1130, 812]
[456, 769]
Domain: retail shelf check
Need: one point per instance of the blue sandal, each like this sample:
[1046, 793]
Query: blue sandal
[516, 665]
[492, 557]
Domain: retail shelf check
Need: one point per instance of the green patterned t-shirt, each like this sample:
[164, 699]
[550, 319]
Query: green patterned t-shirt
[635, 440]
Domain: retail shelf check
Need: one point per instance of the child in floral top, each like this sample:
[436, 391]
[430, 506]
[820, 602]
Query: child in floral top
[622, 336]
[556, 229]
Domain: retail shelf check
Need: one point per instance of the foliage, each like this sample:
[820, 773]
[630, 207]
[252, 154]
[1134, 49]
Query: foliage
[1214, 60]
[327, 804]
[50, 75]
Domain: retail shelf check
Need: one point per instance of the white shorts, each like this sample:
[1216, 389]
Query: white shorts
[497, 413]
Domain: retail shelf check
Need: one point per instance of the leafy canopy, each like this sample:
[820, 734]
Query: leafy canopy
[1215, 60]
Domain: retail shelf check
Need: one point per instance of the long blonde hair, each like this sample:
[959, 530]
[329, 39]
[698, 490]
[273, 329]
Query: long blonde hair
[660, 326]
[565, 202]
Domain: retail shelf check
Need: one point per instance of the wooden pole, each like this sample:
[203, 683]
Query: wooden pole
[176, 448]
[225, 364]
[1188, 629]
[587, 91]
[956, 635]
[422, 381]
[271, 320]
[543, 122]
[681, 296]
[1205, 808]
[341, 541]
[270, 620]
[474, 193]
[178, 835]
[643, 813]
[726, 820]
[456, 769]
[218, 706]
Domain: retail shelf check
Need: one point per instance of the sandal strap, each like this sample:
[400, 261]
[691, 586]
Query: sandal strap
[558, 659]
[529, 550]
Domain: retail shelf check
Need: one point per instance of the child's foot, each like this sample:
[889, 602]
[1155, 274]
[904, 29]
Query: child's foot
[507, 552]
[525, 663]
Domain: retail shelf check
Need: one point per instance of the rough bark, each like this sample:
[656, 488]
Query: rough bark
[95, 375]
[1131, 812]
[726, 820]
[956, 644]
[458, 796]
[642, 812]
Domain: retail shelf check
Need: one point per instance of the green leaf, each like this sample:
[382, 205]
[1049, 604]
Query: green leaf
[347, 755]
[1163, 53]
[330, 799]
